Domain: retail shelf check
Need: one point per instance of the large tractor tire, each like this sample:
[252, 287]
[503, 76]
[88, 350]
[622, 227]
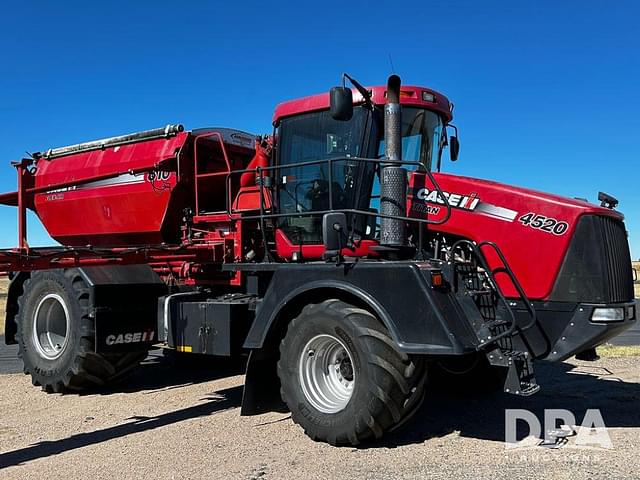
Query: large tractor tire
[343, 377]
[56, 335]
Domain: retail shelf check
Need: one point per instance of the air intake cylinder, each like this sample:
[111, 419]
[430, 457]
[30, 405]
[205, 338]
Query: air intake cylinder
[393, 177]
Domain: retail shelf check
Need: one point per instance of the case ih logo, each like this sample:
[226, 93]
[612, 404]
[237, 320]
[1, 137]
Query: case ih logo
[456, 200]
[137, 337]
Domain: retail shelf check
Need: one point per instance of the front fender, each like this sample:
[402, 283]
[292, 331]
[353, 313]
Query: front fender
[318, 289]
[420, 320]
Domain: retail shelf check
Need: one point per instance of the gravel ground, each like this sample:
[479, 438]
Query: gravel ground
[170, 423]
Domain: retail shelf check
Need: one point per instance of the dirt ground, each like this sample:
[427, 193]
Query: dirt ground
[4, 285]
[168, 423]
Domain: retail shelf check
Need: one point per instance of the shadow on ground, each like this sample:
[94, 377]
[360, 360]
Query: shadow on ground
[217, 402]
[163, 370]
[158, 372]
[479, 416]
[564, 386]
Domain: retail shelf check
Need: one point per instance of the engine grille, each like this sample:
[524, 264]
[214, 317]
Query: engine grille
[618, 260]
[597, 267]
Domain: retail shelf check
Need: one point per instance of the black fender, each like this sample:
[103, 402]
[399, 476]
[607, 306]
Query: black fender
[315, 292]
[124, 303]
[123, 299]
[420, 319]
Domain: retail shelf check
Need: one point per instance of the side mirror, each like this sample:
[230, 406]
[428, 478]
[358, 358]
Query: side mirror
[454, 148]
[334, 233]
[341, 102]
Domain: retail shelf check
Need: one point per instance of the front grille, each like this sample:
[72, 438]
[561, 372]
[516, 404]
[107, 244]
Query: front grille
[597, 267]
[618, 260]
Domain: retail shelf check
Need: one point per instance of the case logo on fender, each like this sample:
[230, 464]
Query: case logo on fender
[469, 203]
[136, 337]
[456, 200]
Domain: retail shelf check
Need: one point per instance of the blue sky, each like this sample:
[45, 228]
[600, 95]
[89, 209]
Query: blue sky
[546, 93]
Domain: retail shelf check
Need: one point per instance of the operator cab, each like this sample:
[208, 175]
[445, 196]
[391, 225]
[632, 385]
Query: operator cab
[328, 164]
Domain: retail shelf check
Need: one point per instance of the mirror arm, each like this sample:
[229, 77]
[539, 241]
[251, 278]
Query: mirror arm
[444, 141]
[366, 94]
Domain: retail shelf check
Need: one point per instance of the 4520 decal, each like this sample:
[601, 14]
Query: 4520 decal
[546, 224]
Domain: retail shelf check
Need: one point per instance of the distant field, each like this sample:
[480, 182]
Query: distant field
[636, 265]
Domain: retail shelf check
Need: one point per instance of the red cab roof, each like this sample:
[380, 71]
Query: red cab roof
[409, 95]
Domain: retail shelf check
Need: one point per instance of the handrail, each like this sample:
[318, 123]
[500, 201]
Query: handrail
[507, 269]
[483, 263]
[153, 134]
[330, 161]
[196, 175]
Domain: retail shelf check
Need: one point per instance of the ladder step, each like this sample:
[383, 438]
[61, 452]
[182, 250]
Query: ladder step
[527, 389]
[520, 377]
[479, 292]
[496, 323]
[460, 263]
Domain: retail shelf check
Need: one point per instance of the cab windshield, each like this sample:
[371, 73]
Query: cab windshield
[421, 137]
[346, 183]
[320, 186]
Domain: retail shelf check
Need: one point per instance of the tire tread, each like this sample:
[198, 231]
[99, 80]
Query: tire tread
[398, 379]
[87, 369]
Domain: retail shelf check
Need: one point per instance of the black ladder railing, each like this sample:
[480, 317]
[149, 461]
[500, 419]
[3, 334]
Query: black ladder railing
[504, 268]
[495, 335]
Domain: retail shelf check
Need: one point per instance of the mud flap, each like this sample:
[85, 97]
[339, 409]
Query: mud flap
[261, 392]
[124, 302]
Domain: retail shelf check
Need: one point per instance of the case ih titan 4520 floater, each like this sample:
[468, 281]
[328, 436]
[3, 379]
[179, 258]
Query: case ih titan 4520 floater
[334, 253]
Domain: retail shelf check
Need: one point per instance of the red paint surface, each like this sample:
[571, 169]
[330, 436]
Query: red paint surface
[285, 248]
[116, 214]
[410, 95]
[534, 255]
[248, 199]
[141, 213]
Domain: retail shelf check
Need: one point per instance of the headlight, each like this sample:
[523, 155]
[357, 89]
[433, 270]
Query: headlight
[612, 314]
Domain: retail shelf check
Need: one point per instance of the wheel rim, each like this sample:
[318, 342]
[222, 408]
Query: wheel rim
[326, 373]
[51, 326]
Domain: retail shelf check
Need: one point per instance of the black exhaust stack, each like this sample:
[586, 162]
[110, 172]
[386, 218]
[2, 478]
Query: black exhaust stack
[393, 178]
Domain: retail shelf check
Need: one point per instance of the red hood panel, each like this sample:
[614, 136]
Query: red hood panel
[532, 228]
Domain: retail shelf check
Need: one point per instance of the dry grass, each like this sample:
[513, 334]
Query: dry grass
[4, 284]
[608, 350]
[636, 265]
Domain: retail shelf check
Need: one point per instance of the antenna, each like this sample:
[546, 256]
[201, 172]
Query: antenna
[393, 70]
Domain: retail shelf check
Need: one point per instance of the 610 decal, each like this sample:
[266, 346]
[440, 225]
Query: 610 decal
[546, 224]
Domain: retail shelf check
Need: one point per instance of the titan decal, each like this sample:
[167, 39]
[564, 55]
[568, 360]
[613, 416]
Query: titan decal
[470, 202]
